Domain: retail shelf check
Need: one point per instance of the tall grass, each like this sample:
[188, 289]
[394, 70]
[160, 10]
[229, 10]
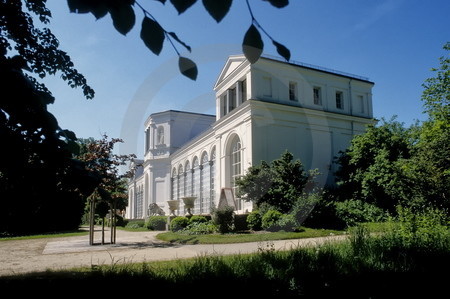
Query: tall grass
[404, 261]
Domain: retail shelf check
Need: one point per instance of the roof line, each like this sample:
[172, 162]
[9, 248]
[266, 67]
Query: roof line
[317, 68]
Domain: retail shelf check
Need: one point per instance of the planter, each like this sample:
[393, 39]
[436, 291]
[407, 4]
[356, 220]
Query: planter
[189, 203]
[173, 206]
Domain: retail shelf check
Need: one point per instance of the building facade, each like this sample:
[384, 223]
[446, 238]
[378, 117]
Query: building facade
[262, 110]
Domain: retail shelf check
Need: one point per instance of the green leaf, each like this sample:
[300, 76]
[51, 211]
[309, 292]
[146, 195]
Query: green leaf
[153, 35]
[252, 45]
[282, 50]
[99, 9]
[279, 3]
[188, 68]
[182, 5]
[218, 9]
[172, 34]
[123, 17]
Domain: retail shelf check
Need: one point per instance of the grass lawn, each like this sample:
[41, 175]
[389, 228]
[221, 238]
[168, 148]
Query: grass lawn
[47, 235]
[245, 237]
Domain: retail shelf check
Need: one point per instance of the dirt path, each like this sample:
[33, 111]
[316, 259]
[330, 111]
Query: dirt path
[22, 256]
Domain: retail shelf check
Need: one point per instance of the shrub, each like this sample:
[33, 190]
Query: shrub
[240, 222]
[353, 212]
[135, 223]
[254, 220]
[270, 218]
[156, 223]
[197, 219]
[223, 217]
[422, 227]
[287, 223]
[199, 228]
[304, 205]
[178, 223]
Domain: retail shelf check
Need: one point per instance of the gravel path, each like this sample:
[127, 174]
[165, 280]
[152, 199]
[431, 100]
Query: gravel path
[23, 256]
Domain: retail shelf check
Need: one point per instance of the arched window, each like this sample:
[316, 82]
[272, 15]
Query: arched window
[160, 135]
[204, 184]
[212, 175]
[235, 163]
[187, 171]
[139, 202]
[174, 184]
[196, 183]
[180, 182]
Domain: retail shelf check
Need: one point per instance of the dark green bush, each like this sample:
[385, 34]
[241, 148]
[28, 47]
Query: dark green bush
[240, 222]
[254, 220]
[353, 212]
[197, 219]
[178, 223]
[223, 217]
[199, 228]
[287, 223]
[156, 223]
[135, 223]
[270, 218]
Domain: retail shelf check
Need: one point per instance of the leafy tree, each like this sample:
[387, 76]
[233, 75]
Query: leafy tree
[111, 193]
[153, 35]
[278, 184]
[42, 185]
[374, 168]
[433, 149]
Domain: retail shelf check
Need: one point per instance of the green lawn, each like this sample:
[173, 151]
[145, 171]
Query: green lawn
[48, 235]
[244, 237]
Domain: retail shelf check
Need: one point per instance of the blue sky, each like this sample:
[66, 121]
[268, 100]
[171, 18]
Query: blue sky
[393, 42]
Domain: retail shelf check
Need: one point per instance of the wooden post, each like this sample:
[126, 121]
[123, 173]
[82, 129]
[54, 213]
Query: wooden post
[91, 222]
[103, 230]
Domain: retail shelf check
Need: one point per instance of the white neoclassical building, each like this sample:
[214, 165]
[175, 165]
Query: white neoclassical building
[262, 110]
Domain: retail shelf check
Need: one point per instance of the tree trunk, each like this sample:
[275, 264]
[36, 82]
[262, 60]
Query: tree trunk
[91, 222]
[103, 231]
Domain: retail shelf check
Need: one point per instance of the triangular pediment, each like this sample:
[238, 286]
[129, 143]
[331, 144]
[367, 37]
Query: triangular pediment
[231, 65]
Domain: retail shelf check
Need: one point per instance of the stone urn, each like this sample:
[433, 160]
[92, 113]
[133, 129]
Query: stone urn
[189, 203]
[173, 206]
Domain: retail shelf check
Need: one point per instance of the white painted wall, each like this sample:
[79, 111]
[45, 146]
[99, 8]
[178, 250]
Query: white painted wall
[267, 124]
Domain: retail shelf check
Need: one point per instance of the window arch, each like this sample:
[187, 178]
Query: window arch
[174, 184]
[196, 182]
[187, 171]
[212, 175]
[234, 163]
[180, 181]
[204, 183]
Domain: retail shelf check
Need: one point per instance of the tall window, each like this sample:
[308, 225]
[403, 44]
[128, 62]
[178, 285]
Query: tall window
[361, 103]
[232, 100]
[174, 184]
[180, 182]
[317, 96]
[235, 161]
[339, 100]
[196, 183]
[267, 87]
[147, 140]
[204, 186]
[160, 135]
[224, 104]
[293, 91]
[187, 171]
[139, 201]
[212, 175]
[243, 85]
